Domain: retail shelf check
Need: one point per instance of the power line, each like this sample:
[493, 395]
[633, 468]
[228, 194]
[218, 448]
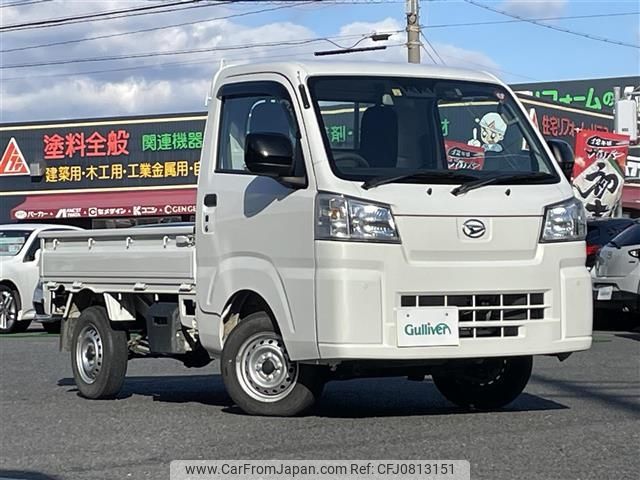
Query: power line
[54, 21]
[290, 4]
[108, 15]
[424, 37]
[433, 60]
[499, 22]
[553, 27]
[333, 2]
[207, 60]
[152, 29]
[20, 4]
[169, 53]
[469, 61]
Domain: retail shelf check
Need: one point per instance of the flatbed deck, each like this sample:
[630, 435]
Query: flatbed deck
[137, 260]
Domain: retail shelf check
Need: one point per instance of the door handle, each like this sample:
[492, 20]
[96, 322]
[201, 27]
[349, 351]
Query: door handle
[210, 200]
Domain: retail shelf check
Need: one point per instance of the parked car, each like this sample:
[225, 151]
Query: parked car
[600, 232]
[19, 273]
[616, 276]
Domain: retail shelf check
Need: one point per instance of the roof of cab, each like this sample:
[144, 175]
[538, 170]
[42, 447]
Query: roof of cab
[314, 68]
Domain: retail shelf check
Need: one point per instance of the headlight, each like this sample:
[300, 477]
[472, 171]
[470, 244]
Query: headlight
[564, 222]
[343, 218]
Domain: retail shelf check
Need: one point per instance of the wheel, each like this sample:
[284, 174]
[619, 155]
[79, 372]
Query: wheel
[9, 308]
[260, 377]
[485, 384]
[52, 327]
[99, 355]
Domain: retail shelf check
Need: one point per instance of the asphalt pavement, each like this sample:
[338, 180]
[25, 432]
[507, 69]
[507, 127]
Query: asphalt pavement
[579, 419]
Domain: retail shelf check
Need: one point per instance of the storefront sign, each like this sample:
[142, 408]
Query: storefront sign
[103, 154]
[139, 203]
[598, 174]
[596, 94]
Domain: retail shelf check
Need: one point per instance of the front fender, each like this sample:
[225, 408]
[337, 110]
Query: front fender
[295, 316]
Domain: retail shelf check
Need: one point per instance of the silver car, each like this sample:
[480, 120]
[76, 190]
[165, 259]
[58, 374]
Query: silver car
[616, 276]
[20, 272]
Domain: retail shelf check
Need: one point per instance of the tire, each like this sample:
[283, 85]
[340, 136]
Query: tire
[99, 355]
[10, 305]
[486, 384]
[258, 374]
[52, 327]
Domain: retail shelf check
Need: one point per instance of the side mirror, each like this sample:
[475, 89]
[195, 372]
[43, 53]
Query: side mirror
[563, 154]
[36, 256]
[269, 154]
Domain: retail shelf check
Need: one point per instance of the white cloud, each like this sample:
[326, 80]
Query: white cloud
[87, 97]
[534, 8]
[460, 57]
[174, 86]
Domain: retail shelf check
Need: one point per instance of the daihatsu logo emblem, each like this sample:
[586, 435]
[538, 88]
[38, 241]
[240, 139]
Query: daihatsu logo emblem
[473, 228]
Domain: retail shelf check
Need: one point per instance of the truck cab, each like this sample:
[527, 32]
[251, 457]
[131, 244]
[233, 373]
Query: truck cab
[374, 219]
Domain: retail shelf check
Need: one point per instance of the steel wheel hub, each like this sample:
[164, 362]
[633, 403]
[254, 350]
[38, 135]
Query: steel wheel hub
[89, 354]
[264, 369]
[8, 313]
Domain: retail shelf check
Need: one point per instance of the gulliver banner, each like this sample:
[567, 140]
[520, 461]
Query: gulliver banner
[598, 174]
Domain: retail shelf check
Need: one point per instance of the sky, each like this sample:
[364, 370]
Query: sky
[141, 82]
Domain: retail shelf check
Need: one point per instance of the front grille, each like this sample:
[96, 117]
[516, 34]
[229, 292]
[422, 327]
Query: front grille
[486, 315]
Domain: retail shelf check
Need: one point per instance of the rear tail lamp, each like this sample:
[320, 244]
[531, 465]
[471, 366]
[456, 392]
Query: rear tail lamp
[592, 249]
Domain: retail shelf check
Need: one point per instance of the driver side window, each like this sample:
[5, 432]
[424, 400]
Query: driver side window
[242, 115]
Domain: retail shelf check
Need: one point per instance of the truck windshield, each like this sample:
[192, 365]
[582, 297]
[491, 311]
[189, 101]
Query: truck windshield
[385, 130]
[12, 241]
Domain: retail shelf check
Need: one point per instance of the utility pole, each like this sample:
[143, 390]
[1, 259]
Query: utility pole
[413, 31]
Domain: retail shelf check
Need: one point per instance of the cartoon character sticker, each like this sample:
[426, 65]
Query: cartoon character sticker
[492, 131]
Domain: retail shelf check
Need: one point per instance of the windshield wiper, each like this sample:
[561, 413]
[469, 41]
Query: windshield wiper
[498, 179]
[419, 174]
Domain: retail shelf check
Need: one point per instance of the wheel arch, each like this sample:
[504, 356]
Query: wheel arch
[9, 284]
[18, 296]
[77, 302]
[242, 304]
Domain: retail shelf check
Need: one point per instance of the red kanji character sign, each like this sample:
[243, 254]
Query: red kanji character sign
[96, 145]
[53, 147]
[117, 143]
[75, 143]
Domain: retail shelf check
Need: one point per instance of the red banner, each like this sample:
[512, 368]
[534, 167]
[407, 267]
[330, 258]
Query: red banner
[142, 203]
[461, 155]
[598, 173]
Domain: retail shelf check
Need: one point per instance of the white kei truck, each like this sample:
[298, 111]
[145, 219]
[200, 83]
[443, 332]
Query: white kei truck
[353, 220]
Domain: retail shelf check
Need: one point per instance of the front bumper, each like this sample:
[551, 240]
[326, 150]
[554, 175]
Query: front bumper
[360, 287]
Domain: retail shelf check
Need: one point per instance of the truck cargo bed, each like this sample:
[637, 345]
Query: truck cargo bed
[152, 260]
